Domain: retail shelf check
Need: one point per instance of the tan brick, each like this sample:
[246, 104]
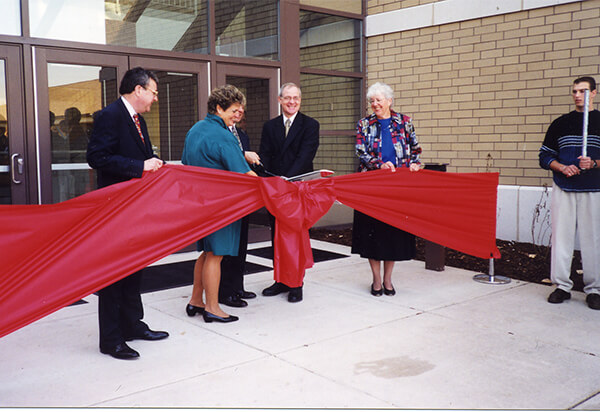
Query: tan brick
[586, 51]
[485, 29]
[536, 44]
[495, 36]
[489, 54]
[590, 61]
[558, 64]
[558, 18]
[569, 26]
[589, 42]
[532, 22]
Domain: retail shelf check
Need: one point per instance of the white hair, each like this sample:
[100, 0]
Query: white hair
[287, 86]
[380, 89]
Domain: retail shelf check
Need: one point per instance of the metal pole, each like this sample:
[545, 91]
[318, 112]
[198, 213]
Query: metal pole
[491, 278]
[586, 106]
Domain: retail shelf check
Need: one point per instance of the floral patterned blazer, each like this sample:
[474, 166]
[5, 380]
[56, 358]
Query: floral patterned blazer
[368, 142]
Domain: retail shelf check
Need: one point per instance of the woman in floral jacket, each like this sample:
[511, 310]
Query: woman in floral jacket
[384, 140]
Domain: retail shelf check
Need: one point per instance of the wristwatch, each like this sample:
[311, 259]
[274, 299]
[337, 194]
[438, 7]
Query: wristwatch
[594, 165]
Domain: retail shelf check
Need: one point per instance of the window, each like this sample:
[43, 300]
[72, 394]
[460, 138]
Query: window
[247, 28]
[330, 42]
[177, 25]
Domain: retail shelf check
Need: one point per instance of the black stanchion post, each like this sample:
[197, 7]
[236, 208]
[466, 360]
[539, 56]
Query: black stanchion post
[435, 255]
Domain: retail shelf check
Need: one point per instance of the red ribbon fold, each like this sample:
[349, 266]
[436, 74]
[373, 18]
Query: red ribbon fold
[54, 255]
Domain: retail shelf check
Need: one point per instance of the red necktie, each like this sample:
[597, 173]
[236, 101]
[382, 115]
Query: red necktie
[136, 120]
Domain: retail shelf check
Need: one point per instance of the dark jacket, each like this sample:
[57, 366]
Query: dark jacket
[115, 149]
[292, 155]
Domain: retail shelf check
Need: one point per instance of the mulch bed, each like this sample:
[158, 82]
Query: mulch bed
[523, 261]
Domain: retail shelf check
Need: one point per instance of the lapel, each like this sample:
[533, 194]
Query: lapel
[293, 132]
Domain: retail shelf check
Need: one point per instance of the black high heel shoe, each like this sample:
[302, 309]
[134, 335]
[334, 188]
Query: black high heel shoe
[209, 317]
[376, 292]
[389, 292]
[192, 310]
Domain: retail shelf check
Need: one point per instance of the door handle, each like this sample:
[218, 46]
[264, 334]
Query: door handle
[17, 163]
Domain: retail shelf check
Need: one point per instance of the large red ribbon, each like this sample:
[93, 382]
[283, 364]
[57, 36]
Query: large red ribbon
[54, 255]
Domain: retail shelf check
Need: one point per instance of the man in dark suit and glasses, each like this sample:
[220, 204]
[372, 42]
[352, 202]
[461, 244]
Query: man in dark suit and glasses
[288, 146]
[120, 149]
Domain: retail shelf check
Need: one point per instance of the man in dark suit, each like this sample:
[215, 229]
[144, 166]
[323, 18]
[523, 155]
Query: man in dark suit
[288, 146]
[231, 288]
[119, 150]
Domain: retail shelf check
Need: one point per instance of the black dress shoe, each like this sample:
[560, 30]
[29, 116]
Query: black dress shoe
[149, 335]
[559, 296]
[295, 295]
[376, 292]
[244, 294]
[275, 289]
[593, 301]
[192, 310]
[209, 317]
[121, 351]
[234, 301]
[389, 292]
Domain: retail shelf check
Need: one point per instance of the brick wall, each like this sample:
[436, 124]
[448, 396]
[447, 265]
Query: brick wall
[483, 92]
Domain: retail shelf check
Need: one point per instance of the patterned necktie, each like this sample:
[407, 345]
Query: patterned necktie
[136, 120]
[237, 136]
[288, 124]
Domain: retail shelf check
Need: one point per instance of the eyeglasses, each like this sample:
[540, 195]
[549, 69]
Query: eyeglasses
[292, 98]
[154, 92]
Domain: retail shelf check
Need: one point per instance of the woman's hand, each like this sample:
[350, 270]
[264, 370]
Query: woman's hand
[414, 167]
[388, 165]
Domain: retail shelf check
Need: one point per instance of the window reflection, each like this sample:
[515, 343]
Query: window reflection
[256, 112]
[11, 17]
[335, 103]
[174, 114]
[330, 42]
[178, 25]
[75, 93]
[247, 28]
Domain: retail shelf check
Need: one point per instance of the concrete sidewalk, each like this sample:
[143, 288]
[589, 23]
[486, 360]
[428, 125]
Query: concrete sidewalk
[443, 341]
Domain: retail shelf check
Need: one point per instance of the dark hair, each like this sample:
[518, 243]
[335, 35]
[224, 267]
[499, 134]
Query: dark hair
[224, 97]
[137, 76]
[589, 80]
[72, 115]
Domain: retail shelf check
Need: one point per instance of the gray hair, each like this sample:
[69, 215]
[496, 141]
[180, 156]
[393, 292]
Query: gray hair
[287, 86]
[380, 89]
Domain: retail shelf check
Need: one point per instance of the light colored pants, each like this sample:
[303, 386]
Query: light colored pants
[571, 212]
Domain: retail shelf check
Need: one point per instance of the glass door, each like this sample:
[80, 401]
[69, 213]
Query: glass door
[260, 86]
[71, 86]
[13, 156]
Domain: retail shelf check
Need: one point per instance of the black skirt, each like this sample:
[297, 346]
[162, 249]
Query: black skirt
[373, 239]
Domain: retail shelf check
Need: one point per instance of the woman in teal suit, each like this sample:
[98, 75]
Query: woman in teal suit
[209, 143]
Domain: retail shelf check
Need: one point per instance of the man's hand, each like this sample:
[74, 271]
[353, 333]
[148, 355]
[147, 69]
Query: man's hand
[570, 170]
[252, 158]
[585, 163]
[152, 164]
